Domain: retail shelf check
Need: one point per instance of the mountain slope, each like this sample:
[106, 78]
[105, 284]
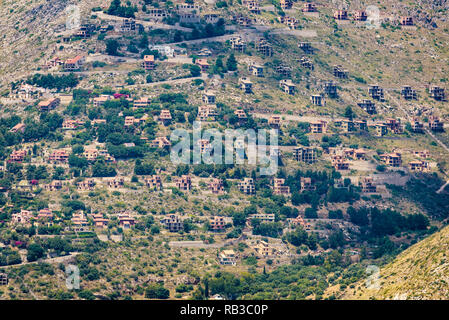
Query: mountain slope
[28, 31]
[420, 272]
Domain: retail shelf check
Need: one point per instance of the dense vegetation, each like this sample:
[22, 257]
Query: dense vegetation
[50, 81]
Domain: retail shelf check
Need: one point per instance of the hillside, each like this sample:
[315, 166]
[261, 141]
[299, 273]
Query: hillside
[420, 272]
[30, 30]
[89, 116]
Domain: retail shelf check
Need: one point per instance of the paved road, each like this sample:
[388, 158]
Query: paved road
[194, 244]
[251, 34]
[211, 39]
[151, 24]
[50, 260]
[175, 81]
[290, 117]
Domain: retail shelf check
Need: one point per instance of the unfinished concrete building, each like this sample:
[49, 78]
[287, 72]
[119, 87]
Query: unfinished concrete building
[157, 13]
[307, 185]
[360, 15]
[435, 124]
[306, 47]
[209, 97]
[319, 126]
[347, 125]
[419, 166]
[408, 93]
[339, 162]
[238, 44]
[284, 70]
[290, 22]
[243, 21]
[207, 112]
[367, 185]
[275, 121]
[217, 223]
[85, 31]
[341, 15]
[330, 88]
[437, 93]
[264, 47]
[247, 186]
[256, 69]
[148, 62]
[216, 186]
[393, 159]
[368, 105]
[339, 72]
[304, 154]
[288, 86]
[241, 115]
[417, 126]
[245, 85]
[394, 125]
[165, 116]
[128, 25]
[406, 21]
[361, 125]
[317, 99]
[309, 7]
[306, 63]
[376, 92]
[154, 182]
[381, 129]
[172, 222]
[279, 188]
[252, 5]
[3, 279]
[286, 4]
[184, 183]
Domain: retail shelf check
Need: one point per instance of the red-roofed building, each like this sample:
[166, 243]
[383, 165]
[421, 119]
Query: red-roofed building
[217, 223]
[17, 155]
[22, 217]
[216, 186]
[20, 127]
[160, 142]
[154, 182]
[49, 104]
[126, 221]
[148, 62]
[71, 124]
[46, 214]
[56, 156]
[79, 219]
[203, 64]
[100, 221]
[184, 183]
[74, 64]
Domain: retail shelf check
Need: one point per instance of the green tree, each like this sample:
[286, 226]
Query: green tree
[349, 113]
[112, 47]
[231, 63]
[157, 291]
[144, 41]
[35, 252]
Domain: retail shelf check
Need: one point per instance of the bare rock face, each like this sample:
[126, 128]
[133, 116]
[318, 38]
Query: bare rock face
[29, 32]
